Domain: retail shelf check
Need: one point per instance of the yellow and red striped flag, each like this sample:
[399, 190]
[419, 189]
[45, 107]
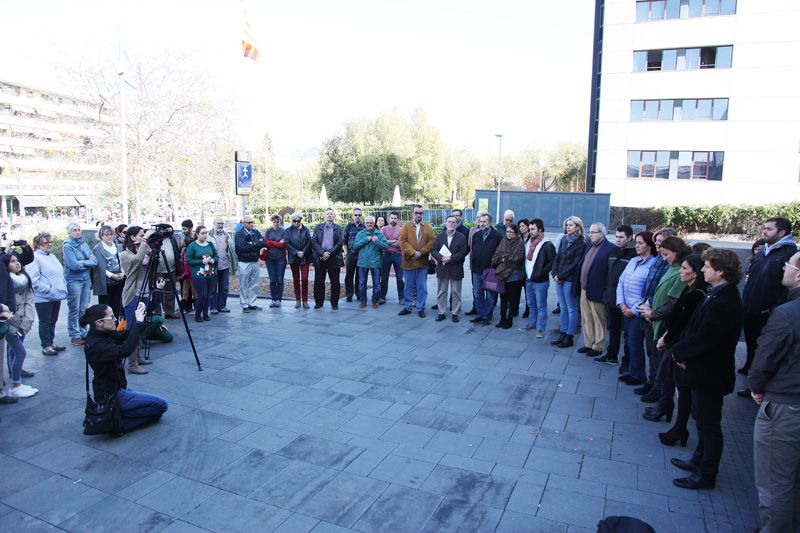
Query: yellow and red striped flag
[249, 45]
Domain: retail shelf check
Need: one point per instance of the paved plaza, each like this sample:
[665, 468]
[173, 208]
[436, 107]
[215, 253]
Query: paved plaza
[360, 420]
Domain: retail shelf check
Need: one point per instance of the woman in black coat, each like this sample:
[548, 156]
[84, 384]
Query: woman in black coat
[692, 296]
[105, 351]
[706, 351]
[566, 274]
[298, 248]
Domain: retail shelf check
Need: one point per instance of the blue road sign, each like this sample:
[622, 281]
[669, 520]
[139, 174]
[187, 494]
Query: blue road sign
[244, 177]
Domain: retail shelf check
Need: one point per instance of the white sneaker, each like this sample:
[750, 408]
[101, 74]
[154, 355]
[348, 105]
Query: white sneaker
[540, 334]
[21, 392]
[28, 387]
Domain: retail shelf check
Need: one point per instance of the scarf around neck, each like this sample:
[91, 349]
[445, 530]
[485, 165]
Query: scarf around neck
[533, 243]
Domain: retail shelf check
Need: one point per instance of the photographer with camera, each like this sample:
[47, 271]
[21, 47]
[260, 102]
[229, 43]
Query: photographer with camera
[105, 350]
[134, 259]
[78, 264]
[169, 257]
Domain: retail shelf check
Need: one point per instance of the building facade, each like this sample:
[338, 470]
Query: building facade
[696, 102]
[52, 154]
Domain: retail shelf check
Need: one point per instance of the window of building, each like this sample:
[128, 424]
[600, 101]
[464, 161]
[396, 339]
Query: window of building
[648, 10]
[683, 58]
[680, 109]
[670, 165]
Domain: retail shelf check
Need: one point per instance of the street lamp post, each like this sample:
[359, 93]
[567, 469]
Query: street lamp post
[499, 174]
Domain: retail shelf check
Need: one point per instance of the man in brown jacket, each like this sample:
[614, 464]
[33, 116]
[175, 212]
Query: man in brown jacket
[416, 241]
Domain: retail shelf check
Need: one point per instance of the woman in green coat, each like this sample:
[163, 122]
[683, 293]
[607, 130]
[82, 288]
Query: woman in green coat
[201, 256]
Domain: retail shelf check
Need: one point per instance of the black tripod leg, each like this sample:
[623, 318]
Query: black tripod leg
[174, 281]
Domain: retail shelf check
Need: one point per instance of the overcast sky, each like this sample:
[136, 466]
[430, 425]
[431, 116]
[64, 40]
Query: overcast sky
[517, 67]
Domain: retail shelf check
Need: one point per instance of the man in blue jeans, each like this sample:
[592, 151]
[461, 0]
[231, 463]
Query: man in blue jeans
[484, 243]
[416, 241]
[392, 258]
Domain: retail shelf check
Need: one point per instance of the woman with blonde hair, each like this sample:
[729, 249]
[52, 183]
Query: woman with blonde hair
[566, 274]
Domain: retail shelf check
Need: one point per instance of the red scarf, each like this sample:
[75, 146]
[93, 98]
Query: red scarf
[533, 243]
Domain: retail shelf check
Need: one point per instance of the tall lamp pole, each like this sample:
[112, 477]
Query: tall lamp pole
[499, 174]
[123, 132]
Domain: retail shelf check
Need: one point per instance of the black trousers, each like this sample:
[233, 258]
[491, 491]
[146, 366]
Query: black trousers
[509, 300]
[351, 275]
[653, 355]
[753, 324]
[614, 335]
[707, 410]
[332, 270]
[113, 298]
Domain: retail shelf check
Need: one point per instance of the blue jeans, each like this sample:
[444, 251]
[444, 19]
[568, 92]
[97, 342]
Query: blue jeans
[484, 300]
[416, 281]
[634, 340]
[536, 293]
[203, 288]
[78, 295]
[219, 289]
[139, 408]
[15, 353]
[389, 260]
[569, 307]
[362, 283]
[276, 268]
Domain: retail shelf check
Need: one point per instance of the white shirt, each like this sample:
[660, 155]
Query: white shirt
[529, 264]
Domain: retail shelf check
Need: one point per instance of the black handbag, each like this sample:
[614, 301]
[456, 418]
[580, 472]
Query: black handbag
[103, 417]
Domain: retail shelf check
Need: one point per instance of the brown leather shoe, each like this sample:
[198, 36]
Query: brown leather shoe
[136, 369]
[375, 305]
[305, 305]
[362, 305]
[145, 362]
[77, 342]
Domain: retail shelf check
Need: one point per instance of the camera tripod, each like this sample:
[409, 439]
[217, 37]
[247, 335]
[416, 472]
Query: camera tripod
[150, 284]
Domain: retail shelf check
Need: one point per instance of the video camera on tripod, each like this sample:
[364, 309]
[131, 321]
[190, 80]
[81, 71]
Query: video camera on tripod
[160, 232]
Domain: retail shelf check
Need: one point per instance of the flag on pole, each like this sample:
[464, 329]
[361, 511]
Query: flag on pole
[249, 45]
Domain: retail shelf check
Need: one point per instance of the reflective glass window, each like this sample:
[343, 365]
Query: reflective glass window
[673, 9]
[692, 58]
[677, 111]
[648, 164]
[724, 57]
[715, 172]
[703, 109]
[684, 165]
[689, 108]
[695, 8]
[708, 56]
[673, 165]
[665, 110]
[669, 59]
[643, 11]
[654, 59]
[662, 165]
[727, 7]
[699, 165]
[720, 109]
[712, 8]
[634, 158]
[681, 61]
[639, 61]
[657, 10]
[651, 110]
[637, 110]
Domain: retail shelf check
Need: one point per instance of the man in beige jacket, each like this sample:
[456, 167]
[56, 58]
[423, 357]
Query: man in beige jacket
[416, 241]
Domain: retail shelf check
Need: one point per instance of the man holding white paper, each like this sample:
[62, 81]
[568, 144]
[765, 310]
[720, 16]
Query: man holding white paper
[449, 250]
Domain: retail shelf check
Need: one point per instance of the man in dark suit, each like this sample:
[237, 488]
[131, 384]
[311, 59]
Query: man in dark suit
[593, 278]
[327, 243]
[449, 267]
[705, 351]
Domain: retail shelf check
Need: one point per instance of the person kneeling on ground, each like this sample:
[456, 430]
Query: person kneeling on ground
[105, 351]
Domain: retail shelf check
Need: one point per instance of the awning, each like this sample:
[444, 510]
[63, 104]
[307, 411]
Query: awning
[54, 201]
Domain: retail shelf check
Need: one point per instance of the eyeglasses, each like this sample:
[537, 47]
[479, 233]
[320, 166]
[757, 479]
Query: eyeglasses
[418, 212]
[595, 231]
[297, 221]
[108, 318]
[46, 242]
[249, 222]
[356, 214]
[788, 264]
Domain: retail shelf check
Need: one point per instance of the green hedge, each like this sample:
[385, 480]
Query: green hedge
[721, 219]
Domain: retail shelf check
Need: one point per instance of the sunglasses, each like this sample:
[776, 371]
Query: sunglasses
[108, 318]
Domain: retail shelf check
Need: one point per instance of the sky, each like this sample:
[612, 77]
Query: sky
[520, 68]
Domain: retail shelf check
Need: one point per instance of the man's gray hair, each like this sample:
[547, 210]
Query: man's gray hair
[485, 214]
[509, 212]
[600, 227]
[369, 217]
[72, 225]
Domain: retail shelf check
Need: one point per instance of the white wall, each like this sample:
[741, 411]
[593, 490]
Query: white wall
[761, 138]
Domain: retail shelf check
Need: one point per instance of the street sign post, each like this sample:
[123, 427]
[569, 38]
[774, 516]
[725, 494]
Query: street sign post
[244, 177]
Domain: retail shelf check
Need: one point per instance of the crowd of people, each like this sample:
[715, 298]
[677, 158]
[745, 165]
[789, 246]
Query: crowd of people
[668, 314]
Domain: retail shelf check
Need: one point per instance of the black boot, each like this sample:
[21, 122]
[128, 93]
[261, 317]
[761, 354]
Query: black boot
[508, 324]
[559, 340]
[566, 343]
[527, 312]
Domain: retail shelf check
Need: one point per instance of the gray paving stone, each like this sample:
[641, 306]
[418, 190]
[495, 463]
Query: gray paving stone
[512, 413]
[344, 499]
[513, 522]
[454, 443]
[55, 499]
[590, 426]
[493, 429]
[320, 452]
[403, 471]
[574, 442]
[554, 461]
[466, 463]
[18, 475]
[178, 496]
[125, 516]
[366, 426]
[636, 453]
[514, 473]
[328, 418]
[435, 419]
[367, 406]
[422, 454]
[229, 512]
[396, 411]
[572, 404]
[430, 400]
[611, 472]
[247, 473]
[469, 486]
[637, 497]
[460, 515]
[108, 472]
[414, 434]
[493, 392]
[146, 485]
[19, 521]
[293, 485]
[349, 386]
[525, 498]
[269, 439]
[571, 508]
[366, 462]
[508, 453]
[580, 486]
[297, 523]
[399, 509]
[56, 454]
